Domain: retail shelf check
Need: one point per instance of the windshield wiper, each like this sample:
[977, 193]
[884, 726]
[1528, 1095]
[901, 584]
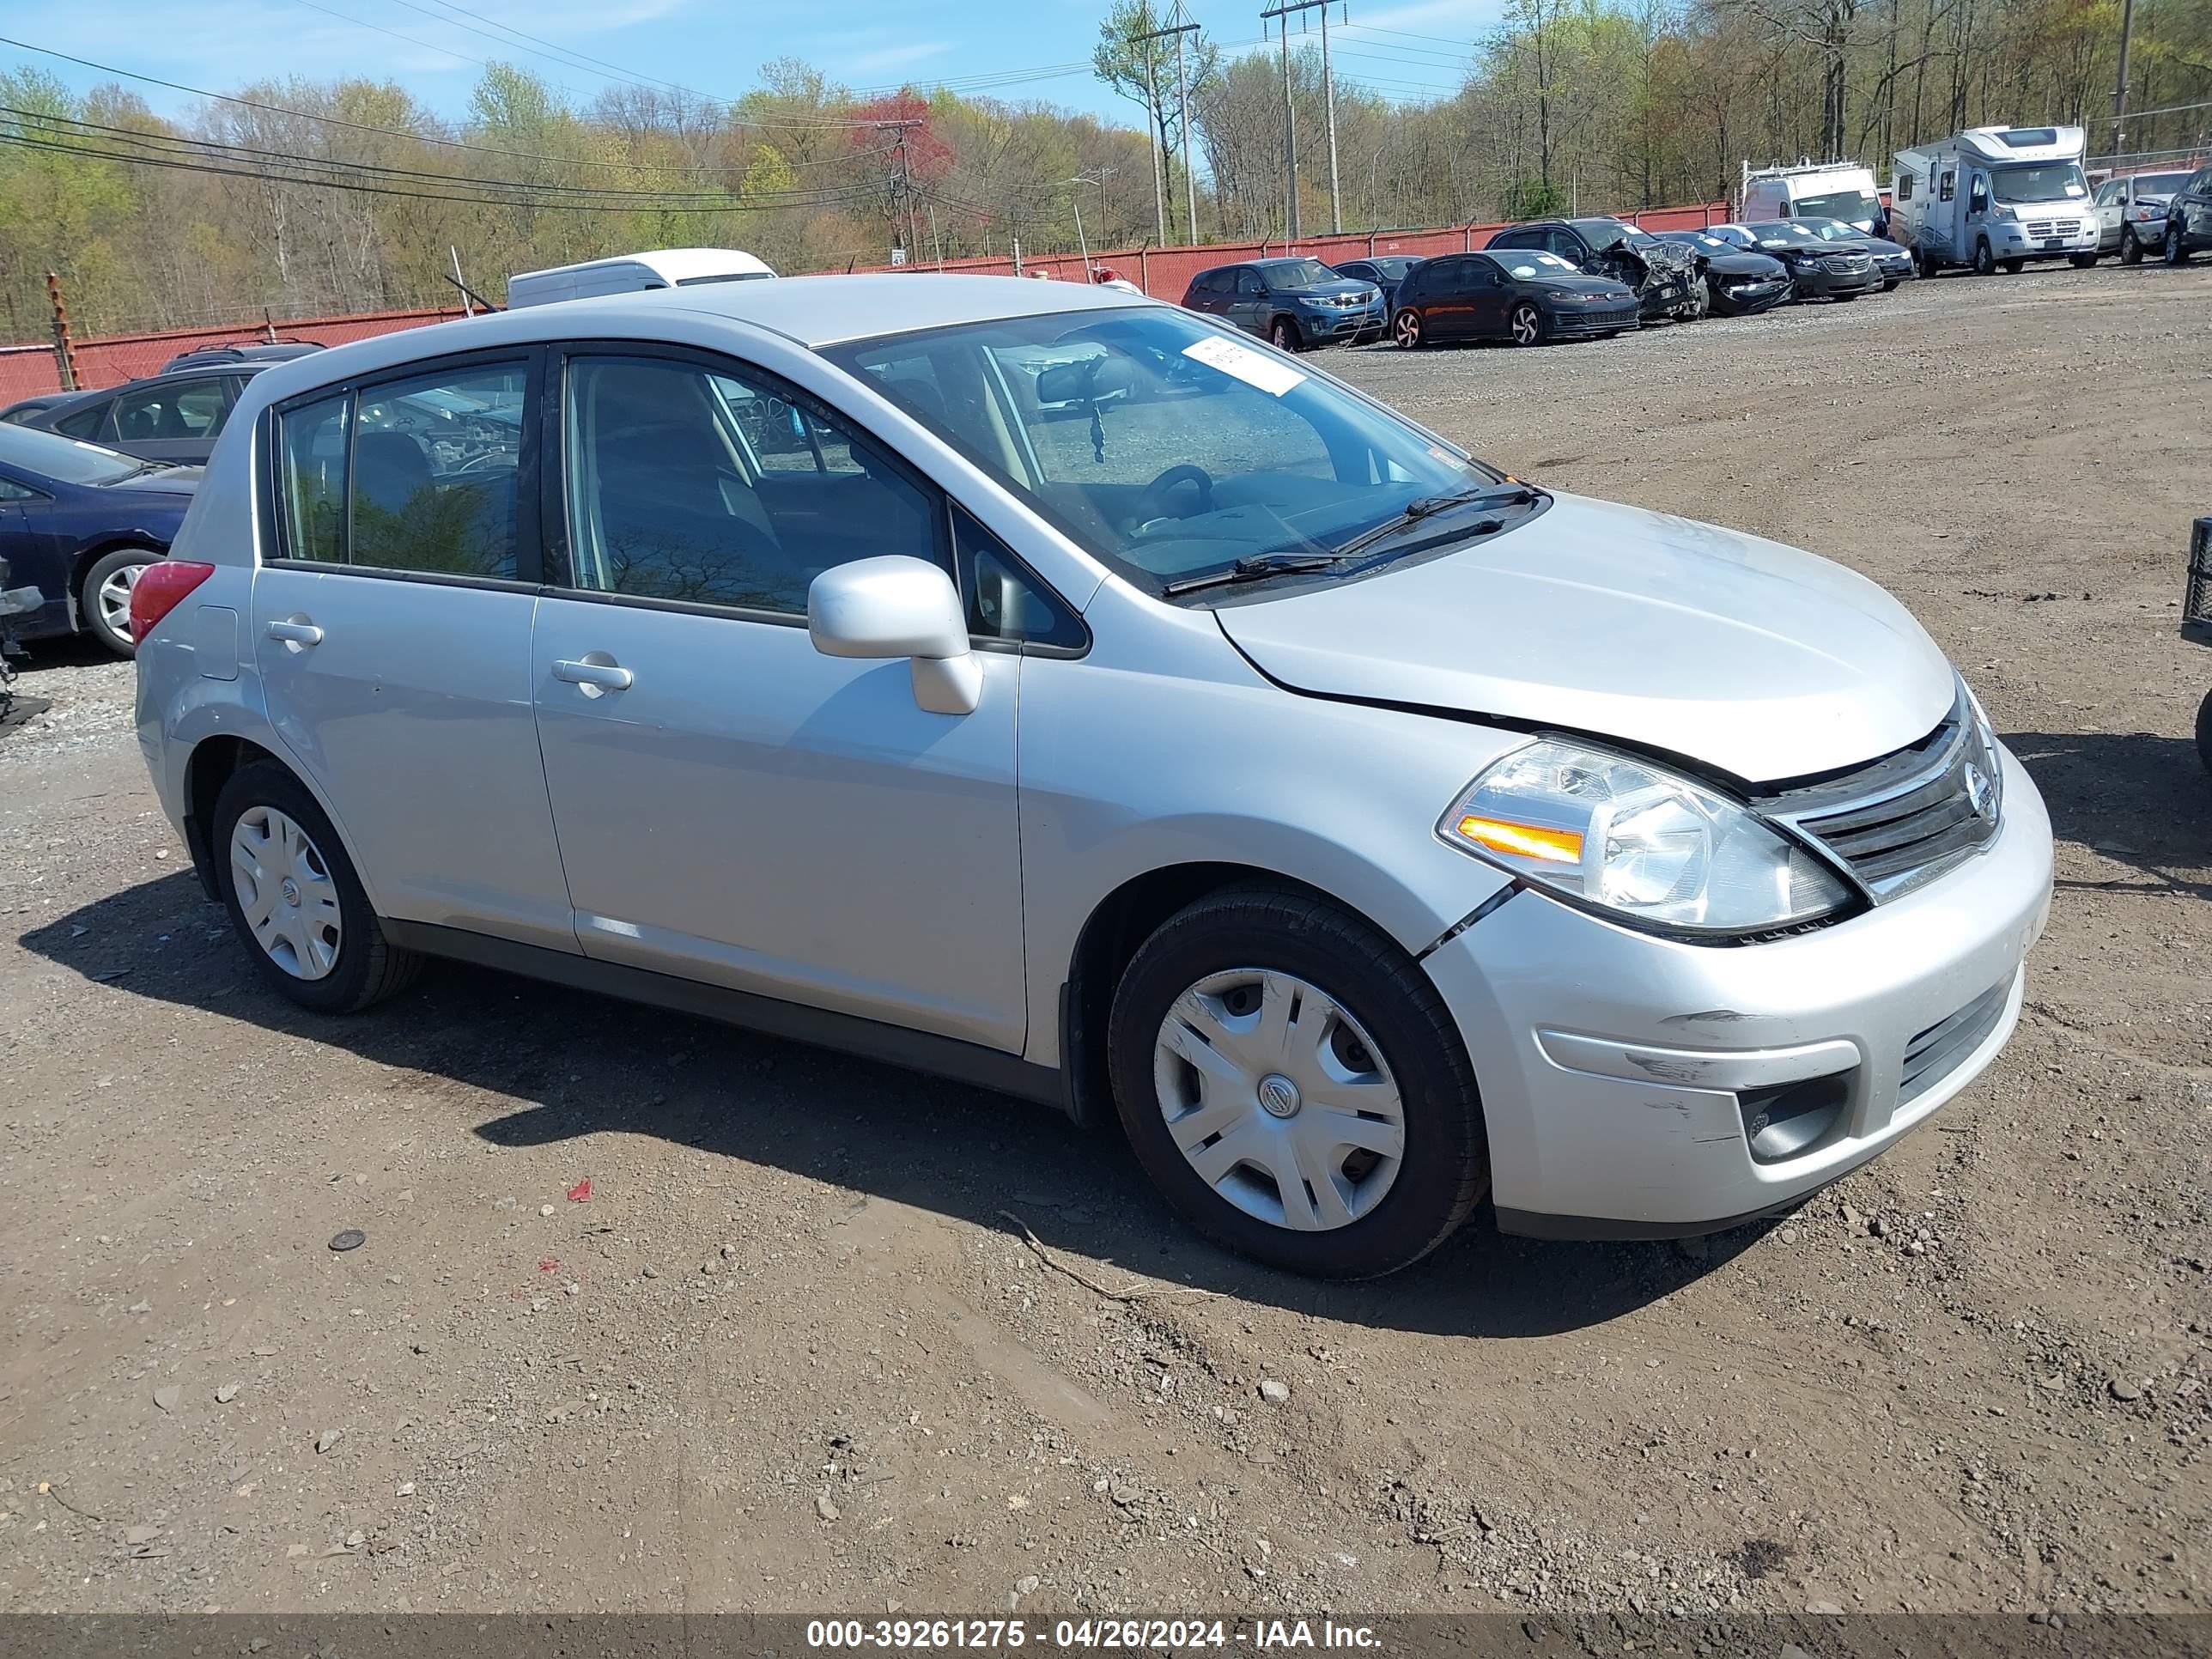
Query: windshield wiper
[1427, 507]
[1254, 567]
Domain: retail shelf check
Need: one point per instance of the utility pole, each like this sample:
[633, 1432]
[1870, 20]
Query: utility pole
[905, 238]
[1284, 10]
[64, 347]
[1290, 124]
[1083, 242]
[1152, 143]
[2120, 86]
[1179, 29]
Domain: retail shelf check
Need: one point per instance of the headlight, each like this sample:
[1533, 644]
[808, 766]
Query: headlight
[1992, 765]
[1637, 841]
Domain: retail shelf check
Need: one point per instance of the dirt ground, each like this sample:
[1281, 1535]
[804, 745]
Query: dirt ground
[790, 1353]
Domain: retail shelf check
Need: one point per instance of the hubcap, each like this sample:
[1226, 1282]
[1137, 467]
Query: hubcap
[1409, 331]
[285, 893]
[1279, 1099]
[1524, 326]
[114, 598]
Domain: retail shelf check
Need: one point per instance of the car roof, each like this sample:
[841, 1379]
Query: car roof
[249, 352]
[811, 311]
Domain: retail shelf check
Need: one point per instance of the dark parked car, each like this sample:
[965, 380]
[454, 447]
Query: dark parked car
[1738, 281]
[19, 412]
[1385, 271]
[2189, 218]
[1892, 259]
[1295, 303]
[262, 353]
[174, 417]
[1524, 294]
[1820, 270]
[1664, 276]
[79, 523]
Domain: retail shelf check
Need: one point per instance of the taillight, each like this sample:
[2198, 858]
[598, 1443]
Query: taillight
[157, 590]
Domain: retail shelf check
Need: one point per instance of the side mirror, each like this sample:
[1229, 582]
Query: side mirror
[899, 606]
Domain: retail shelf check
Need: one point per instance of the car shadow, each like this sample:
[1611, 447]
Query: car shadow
[574, 1064]
[2138, 797]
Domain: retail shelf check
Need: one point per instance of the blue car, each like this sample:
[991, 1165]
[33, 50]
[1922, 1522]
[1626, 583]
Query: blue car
[79, 523]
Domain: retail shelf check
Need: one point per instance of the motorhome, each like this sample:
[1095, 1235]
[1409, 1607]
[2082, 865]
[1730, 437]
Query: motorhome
[1994, 197]
[630, 273]
[1811, 190]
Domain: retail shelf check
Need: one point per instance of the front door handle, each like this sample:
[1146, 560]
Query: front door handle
[295, 631]
[596, 673]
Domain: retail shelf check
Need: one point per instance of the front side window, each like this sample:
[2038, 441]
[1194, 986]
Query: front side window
[1161, 445]
[191, 409]
[689, 483]
[1247, 282]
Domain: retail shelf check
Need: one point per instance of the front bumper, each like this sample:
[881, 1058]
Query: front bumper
[2019, 241]
[1745, 299]
[1666, 295]
[1615, 1067]
[1815, 283]
[1579, 321]
[1348, 323]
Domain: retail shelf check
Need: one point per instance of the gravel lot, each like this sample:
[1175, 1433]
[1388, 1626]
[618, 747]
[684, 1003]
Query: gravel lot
[789, 1354]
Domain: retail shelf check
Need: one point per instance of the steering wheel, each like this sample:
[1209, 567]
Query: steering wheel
[1152, 504]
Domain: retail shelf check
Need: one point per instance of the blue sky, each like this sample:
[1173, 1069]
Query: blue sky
[1037, 49]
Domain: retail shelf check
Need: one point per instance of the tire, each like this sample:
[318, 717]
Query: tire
[1381, 1027]
[2014, 267]
[364, 966]
[1405, 329]
[104, 598]
[2204, 731]
[2083, 261]
[2131, 251]
[1892, 284]
[1986, 258]
[1283, 333]
[1843, 298]
[2176, 253]
[1525, 326]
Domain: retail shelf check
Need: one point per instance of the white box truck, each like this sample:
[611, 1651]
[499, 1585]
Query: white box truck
[1994, 197]
[632, 273]
[1811, 190]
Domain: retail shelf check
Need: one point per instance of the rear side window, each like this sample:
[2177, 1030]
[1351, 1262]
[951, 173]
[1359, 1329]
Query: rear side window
[436, 461]
[1948, 185]
[181, 412]
[1905, 183]
[87, 423]
[313, 447]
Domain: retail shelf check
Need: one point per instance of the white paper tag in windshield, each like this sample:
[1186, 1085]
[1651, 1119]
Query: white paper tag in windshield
[1253, 367]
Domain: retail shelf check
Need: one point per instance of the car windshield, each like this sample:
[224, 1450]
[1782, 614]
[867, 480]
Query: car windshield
[1783, 233]
[1833, 230]
[52, 456]
[1525, 262]
[2051, 181]
[2159, 183]
[1297, 273]
[1163, 446]
[1842, 205]
[1393, 269]
[1604, 233]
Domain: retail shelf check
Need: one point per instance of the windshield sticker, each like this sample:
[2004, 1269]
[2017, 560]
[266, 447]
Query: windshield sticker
[2074, 190]
[1252, 367]
[1524, 270]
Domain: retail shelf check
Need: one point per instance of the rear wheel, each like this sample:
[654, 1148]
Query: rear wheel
[104, 600]
[1283, 335]
[1526, 325]
[1294, 1086]
[2204, 731]
[294, 897]
[1406, 330]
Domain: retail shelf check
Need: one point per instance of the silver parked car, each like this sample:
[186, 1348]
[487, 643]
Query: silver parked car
[1054, 689]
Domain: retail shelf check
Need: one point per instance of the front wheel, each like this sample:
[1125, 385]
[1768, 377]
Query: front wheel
[293, 898]
[2131, 250]
[2081, 261]
[2204, 731]
[1294, 1086]
[2014, 267]
[2175, 252]
[1526, 325]
[1986, 258]
[103, 599]
[1406, 330]
[1283, 335]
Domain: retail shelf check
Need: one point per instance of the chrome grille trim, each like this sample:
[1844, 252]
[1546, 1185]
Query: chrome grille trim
[1902, 821]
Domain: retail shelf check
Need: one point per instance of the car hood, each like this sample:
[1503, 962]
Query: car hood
[1755, 659]
[1329, 290]
[1566, 284]
[171, 488]
[1744, 263]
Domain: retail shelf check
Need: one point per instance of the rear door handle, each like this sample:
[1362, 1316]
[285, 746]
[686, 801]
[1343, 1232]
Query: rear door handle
[295, 630]
[594, 677]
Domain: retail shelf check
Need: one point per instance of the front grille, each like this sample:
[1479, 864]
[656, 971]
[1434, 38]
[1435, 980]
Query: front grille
[1908, 818]
[2052, 227]
[1937, 1052]
[1849, 264]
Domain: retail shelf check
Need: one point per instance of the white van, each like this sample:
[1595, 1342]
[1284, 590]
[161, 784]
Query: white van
[1812, 189]
[630, 273]
[1994, 198]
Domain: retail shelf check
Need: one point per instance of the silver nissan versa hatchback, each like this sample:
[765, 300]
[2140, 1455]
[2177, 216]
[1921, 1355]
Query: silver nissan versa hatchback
[1055, 689]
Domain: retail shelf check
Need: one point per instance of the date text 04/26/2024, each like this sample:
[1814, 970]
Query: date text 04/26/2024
[1137, 1635]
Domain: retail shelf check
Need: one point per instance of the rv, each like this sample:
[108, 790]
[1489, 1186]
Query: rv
[1811, 190]
[1994, 197]
[630, 273]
